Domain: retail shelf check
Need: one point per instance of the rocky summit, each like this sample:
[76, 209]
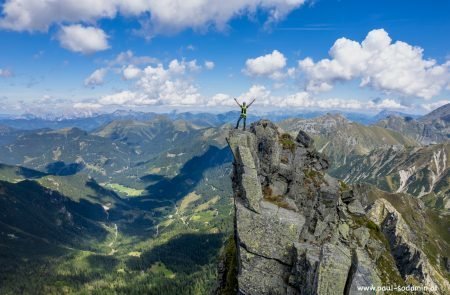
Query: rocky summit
[300, 231]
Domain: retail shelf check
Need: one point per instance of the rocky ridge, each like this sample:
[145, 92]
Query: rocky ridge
[431, 128]
[340, 139]
[423, 172]
[300, 231]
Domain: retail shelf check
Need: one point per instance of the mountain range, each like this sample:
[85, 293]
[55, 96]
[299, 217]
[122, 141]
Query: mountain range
[142, 202]
[431, 128]
[94, 120]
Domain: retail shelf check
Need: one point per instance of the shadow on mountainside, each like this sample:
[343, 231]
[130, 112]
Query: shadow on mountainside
[62, 169]
[37, 212]
[185, 253]
[173, 189]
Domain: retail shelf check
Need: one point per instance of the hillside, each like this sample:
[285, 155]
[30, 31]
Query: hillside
[431, 128]
[421, 171]
[340, 139]
[147, 206]
[119, 152]
[35, 218]
[158, 192]
[149, 137]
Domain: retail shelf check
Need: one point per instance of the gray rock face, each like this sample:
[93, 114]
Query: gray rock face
[304, 139]
[292, 223]
[301, 231]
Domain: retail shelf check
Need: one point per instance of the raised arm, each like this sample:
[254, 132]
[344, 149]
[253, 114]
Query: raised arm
[237, 102]
[251, 102]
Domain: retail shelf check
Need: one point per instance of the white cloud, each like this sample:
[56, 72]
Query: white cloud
[86, 105]
[209, 65]
[174, 15]
[299, 99]
[82, 39]
[127, 98]
[157, 84]
[131, 72]
[221, 99]
[336, 103]
[270, 65]
[180, 67]
[96, 78]
[258, 92]
[391, 67]
[128, 58]
[5, 73]
[303, 99]
[386, 103]
[177, 67]
[125, 63]
[163, 16]
[38, 15]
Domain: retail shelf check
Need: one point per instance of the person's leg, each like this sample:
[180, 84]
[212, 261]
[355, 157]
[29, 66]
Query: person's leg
[245, 121]
[237, 124]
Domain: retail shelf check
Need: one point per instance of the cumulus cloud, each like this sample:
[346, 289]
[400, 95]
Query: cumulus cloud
[129, 58]
[173, 16]
[222, 99]
[37, 15]
[209, 65]
[163, 16]
[270, 65]
[131, 72]
[157, 84]
[300, 99]
[258, 92]
[303, 99]
[127, 98]
[96, 78]
[380, 63]
[83, 39]
[180, 67]
[87, 105]
[5, 73]
[386, 103]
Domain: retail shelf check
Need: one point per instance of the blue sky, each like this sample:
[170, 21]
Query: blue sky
[74, 56]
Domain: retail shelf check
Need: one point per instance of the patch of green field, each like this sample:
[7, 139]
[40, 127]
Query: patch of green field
[160, 268]
[124, 190]
[205, 216]
[207, 205]
[190, 198]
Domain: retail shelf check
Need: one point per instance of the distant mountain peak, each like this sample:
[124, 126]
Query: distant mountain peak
[442, 113]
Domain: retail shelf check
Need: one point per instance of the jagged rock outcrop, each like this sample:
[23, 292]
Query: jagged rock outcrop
[298, 230]
[288, 229]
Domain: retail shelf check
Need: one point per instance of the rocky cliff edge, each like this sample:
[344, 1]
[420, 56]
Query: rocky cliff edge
[300, 231]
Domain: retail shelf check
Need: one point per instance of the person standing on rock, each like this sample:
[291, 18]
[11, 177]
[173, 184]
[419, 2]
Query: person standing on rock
[243, 115]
